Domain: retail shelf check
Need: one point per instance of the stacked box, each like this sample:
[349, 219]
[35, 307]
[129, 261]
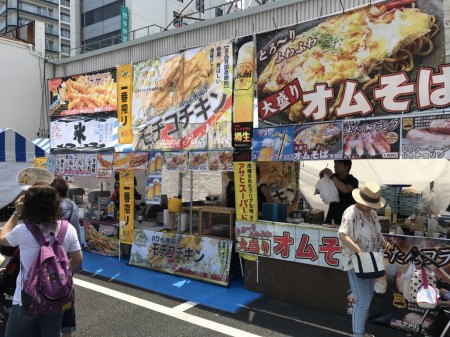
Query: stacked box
[409, 203]
[391, 194]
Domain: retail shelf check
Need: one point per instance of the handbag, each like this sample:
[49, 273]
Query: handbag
[368, 264]
[427, 296]
[416, 282]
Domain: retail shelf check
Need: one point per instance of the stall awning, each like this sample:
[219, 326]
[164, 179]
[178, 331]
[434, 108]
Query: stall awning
[16, 148]
[43, 143]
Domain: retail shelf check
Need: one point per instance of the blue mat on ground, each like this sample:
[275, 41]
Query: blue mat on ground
[229, 299]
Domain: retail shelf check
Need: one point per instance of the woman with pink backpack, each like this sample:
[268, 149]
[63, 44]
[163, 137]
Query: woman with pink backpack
[41, 233]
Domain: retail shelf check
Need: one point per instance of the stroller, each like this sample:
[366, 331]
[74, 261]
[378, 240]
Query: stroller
[9, 270]
[443, 306]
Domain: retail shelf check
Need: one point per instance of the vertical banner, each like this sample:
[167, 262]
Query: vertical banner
[154, 178]
[123, 23]
[124, 84]
[246, 191]
[243, 92]
[126, 205]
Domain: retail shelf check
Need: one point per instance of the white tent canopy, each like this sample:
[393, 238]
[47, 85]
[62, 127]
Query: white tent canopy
[16, 153]
[419, 173]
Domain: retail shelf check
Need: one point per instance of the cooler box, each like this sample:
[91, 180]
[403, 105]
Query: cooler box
[274, 212]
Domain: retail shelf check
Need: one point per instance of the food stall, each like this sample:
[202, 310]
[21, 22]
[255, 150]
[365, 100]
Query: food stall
[316, 102]
[315, 106]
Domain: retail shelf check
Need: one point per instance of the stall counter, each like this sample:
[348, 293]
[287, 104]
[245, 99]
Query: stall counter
[302, 262]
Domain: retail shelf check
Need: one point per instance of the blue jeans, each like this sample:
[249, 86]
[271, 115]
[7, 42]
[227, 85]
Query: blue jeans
[362, 290]
[22, 324]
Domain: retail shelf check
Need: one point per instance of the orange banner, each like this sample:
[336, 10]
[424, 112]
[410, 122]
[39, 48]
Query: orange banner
[126, 205]
[124, 83]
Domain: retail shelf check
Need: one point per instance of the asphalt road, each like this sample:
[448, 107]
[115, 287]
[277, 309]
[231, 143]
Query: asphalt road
[109, 309]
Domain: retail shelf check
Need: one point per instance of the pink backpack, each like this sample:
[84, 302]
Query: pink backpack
[48, 286]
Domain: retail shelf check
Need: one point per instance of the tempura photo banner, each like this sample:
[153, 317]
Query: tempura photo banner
[84, 93]
[178, 99]
[369, 62]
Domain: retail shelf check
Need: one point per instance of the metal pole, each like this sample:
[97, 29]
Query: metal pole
[191, 196]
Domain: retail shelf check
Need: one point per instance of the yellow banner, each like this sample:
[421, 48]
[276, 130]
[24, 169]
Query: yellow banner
[126, 205]
[124, 83]
[246, 191]
[40, 162]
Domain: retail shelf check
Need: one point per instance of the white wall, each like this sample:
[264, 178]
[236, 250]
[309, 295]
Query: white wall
[21, 88]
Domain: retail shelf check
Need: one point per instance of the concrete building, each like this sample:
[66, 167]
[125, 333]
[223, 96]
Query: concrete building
[55, 14]
[107, 22]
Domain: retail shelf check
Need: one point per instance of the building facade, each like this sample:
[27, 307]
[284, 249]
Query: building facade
[108, 22]
[55, 14]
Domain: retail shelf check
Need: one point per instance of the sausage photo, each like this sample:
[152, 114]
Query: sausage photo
[423, 137]
[441, 126]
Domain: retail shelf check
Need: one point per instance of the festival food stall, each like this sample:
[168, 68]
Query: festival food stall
[376, 89]
[323, 93]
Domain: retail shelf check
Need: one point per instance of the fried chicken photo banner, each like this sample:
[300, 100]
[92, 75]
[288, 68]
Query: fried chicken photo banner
[375, 61]
[183, 101]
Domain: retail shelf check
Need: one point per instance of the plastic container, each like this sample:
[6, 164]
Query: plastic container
[274, 212]
[433, 226]
[388, 212]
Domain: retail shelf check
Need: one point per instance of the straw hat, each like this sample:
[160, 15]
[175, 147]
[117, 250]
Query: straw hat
[369, 195]
[32, 175]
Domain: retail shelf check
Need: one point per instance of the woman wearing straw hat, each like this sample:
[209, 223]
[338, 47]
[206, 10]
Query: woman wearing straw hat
[360, 231]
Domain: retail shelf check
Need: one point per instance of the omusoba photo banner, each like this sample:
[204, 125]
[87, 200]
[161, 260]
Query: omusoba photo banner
[178, 98]
[84, 93]
[384, 59]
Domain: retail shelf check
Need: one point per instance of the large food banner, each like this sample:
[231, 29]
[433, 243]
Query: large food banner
[203, 258]
[93, 133]
[384, 59]
[83, 94]
[179, 99]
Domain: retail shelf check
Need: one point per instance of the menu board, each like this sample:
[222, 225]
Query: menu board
[273, 144]
[318, 141]
[425, 137]
[372, 139]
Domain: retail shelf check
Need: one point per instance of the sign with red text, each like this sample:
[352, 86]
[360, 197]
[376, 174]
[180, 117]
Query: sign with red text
[308, 244]
[366, 62]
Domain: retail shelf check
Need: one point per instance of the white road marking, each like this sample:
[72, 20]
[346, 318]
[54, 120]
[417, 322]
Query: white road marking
[172, 312]
[184, 306]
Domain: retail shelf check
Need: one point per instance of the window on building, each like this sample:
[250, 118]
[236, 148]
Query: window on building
[65, 18]
[102, 13]
[200, 5]
[219, 11]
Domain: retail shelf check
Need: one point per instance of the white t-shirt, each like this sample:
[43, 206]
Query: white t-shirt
[29, 248]
[366, 233]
